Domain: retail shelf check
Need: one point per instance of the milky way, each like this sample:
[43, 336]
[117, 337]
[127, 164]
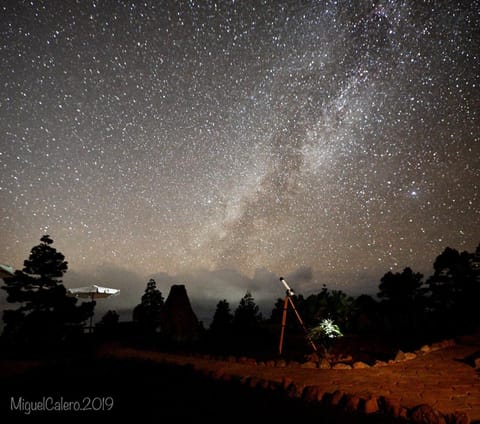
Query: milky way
[165, 137]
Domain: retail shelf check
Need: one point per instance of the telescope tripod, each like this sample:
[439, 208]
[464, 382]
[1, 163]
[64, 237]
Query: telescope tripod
[288, 300]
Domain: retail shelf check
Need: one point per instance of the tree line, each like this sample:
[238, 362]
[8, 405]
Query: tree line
[407, 307]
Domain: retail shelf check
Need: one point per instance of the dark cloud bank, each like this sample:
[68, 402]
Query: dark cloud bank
[206, 288]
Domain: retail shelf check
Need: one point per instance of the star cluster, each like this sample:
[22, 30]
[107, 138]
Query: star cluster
[179, 135]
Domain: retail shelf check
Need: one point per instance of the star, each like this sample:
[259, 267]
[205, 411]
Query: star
[172, 137]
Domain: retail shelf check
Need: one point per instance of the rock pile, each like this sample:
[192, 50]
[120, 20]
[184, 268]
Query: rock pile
[348, 402]
[342, 362]
[353, 404]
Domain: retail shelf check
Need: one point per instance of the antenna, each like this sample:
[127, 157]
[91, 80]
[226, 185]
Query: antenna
[288, 301]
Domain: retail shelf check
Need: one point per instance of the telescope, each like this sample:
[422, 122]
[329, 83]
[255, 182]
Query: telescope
[289, 290]
[288, 300]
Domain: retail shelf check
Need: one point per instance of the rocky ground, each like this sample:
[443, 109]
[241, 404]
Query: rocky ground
[438, 383]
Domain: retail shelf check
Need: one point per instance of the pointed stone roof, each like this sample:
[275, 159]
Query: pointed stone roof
[178, 321]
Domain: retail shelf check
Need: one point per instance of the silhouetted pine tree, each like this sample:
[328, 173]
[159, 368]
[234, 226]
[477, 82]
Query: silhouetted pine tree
[247, 316]
[110, 319]
[401, 288]
[455, 289]
[147, 312]
[222, 318]
[46, 314]
[108, 326]
[403, 304]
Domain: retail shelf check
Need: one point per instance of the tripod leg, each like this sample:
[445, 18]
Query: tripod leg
[284, 322]
[301, 323]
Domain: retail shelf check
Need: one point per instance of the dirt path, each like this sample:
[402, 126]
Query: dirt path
[441, 379]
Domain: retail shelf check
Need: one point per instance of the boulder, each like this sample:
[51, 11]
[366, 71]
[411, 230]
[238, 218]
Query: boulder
[371, 406]
[360, 365]
[426, 414]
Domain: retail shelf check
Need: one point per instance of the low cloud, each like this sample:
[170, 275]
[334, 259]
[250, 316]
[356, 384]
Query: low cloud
[130, 284]
[206, 288]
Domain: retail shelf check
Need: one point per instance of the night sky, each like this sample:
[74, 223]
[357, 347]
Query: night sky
[223, 144]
